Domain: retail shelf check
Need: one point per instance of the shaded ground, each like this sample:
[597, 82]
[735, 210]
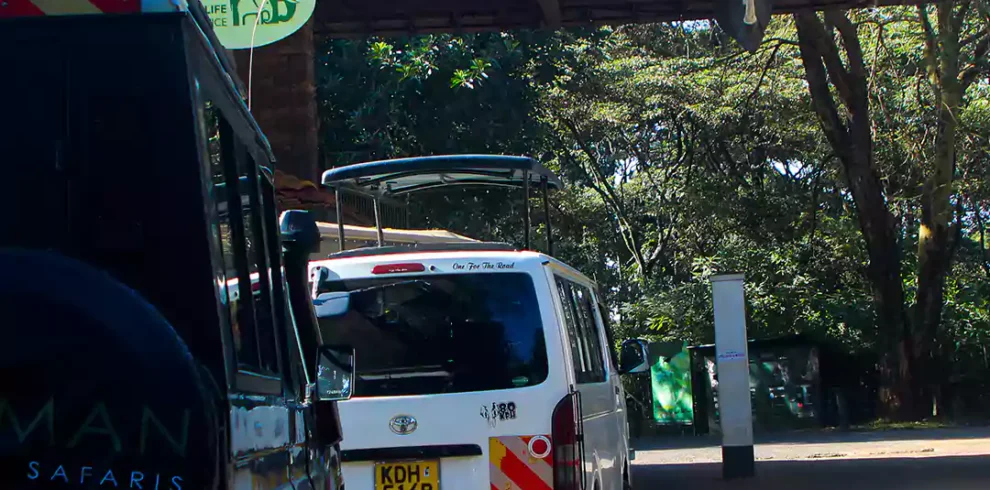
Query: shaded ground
[941, 459]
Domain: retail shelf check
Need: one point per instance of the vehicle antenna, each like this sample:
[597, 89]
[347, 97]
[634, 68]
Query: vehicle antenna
[254, 30]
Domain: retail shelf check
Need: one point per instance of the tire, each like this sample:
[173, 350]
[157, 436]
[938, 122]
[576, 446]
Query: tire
[93, 379]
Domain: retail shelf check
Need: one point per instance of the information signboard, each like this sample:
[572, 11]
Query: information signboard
[239, 24]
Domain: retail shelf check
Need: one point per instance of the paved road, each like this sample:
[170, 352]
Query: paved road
[944, 459]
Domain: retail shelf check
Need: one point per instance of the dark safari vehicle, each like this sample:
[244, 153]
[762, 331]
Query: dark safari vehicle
[157, 330]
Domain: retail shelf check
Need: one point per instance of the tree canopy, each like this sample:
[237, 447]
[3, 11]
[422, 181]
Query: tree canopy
[842, 167]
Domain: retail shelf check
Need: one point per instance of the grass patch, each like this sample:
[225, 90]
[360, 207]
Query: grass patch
[882, 425]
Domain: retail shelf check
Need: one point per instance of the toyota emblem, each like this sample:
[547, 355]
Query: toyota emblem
[403, 424]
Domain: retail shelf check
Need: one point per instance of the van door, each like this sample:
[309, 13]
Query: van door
[594, 382]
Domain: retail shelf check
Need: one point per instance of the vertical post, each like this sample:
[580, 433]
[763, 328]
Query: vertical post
[408, 213]
[378, 221]
[340, 219]
[526, 209]
[732, 361]
[546, 213]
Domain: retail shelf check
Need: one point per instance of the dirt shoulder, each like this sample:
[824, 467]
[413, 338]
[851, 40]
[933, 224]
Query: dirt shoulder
[967, 441]
[940, 459]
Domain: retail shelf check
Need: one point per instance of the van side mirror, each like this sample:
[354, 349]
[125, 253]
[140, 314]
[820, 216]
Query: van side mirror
[332, 304]
[300, 235]
[634, 357]
[334, 373]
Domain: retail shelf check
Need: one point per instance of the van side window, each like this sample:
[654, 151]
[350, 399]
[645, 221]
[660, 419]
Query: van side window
[243, 335]
[258, 265]
[247, 291]
[571, 326]
[613, 355]
[582, 332]
[590, 333]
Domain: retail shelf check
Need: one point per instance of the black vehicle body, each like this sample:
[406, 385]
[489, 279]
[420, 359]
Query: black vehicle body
[126, 358]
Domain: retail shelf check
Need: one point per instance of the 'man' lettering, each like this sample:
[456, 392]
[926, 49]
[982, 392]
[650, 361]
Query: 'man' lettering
[99, 410]
[97, 423]
[178, 446]
[48, 409]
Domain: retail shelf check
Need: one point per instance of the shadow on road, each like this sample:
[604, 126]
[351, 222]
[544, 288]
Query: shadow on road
[928, 473]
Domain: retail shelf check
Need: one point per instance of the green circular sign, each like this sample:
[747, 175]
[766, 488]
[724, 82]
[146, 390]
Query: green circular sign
[234, 20]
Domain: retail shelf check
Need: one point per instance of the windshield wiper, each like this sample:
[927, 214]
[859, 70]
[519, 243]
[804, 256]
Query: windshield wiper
[421, 282]
[409, 372]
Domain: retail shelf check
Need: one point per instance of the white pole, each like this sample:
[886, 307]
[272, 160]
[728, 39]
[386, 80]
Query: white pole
[732, 361]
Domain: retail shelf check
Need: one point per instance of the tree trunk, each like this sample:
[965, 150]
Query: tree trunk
[851, 138]
[934, 235]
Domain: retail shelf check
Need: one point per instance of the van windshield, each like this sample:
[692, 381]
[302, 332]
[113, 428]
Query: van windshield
[449, 333]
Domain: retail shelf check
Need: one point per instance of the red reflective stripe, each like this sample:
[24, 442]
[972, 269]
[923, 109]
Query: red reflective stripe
[117, 6]
[494, 487]
[521, 474]
[19, 8]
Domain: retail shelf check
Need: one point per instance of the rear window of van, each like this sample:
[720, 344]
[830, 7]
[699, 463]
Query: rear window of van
[450, 333]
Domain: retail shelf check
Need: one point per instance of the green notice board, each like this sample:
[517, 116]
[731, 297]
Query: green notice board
[670, 375]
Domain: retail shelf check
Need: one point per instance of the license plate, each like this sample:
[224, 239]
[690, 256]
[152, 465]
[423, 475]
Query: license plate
[408, 475]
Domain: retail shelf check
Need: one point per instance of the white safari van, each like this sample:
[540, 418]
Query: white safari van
[487, 368]
[478, 365]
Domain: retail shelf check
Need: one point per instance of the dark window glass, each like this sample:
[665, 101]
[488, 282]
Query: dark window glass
[613, 356]
[257, 259]
[240, 232]
[582, 332]
[442, 334]
[231, 236]
[590, 334]
[220, 229]
[243, 244]
[571, 327]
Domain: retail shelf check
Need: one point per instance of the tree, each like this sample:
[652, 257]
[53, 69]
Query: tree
[803, 164]
[940, 229]
[924, 131]
[850, 134]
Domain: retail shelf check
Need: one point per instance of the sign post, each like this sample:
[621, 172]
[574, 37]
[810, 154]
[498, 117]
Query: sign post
[732, 361]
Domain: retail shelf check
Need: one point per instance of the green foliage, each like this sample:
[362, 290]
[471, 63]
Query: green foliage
[685, 157]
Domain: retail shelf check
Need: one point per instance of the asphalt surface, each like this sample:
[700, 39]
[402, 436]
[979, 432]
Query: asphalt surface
[941, 459]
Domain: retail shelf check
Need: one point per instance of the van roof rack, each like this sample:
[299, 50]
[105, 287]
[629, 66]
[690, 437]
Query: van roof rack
[426, 247]
[404, 176]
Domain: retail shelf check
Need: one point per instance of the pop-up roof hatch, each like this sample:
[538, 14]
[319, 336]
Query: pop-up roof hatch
[404, 176]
